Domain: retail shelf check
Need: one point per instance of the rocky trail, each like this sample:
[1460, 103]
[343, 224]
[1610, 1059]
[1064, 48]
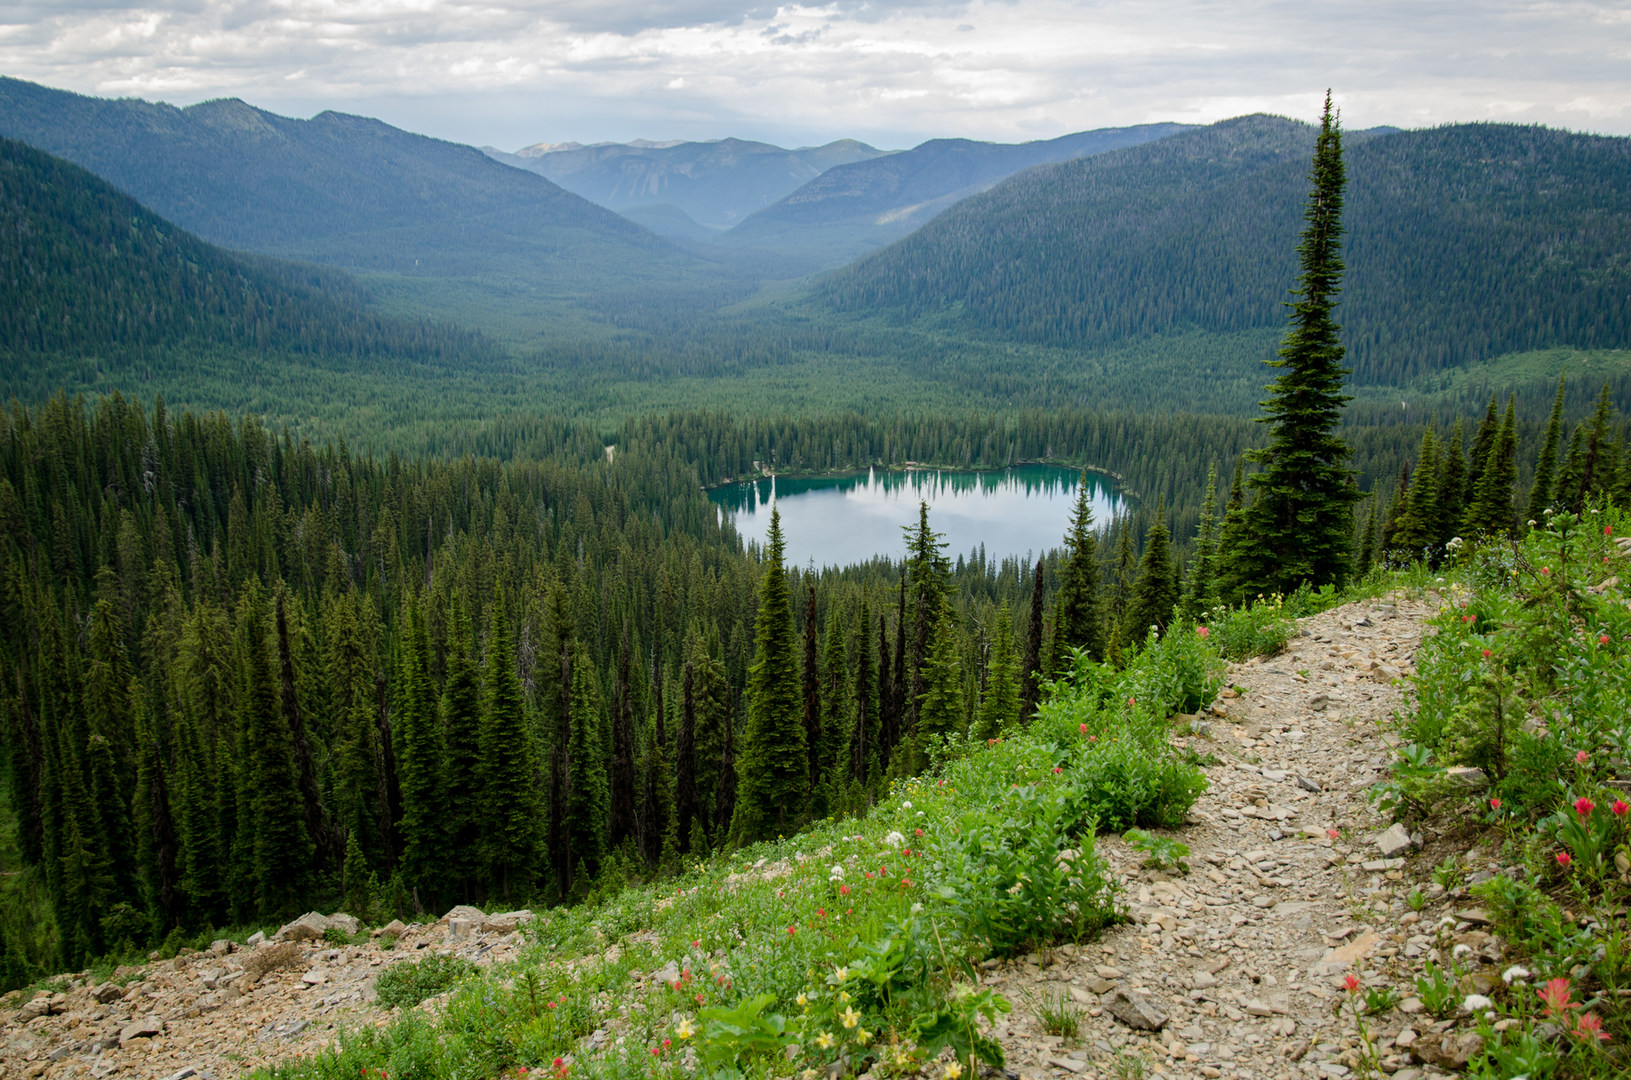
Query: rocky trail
[1235, 969]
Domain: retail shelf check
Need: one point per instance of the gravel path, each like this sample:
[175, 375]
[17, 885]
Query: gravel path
[1247, 953]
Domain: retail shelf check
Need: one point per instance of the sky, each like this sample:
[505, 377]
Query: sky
[511, 73]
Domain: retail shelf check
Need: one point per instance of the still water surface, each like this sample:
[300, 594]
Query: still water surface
[838, 521]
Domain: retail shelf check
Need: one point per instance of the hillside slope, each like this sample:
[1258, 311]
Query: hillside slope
[339, 189]
[1464, 242]
[854, 208]
[95, 274]
[715, 183]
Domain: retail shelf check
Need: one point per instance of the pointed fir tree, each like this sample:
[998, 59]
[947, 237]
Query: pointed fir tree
[1299, 523]
[1228, 570]
[1491, 511]
[1415, 531]
[1154, 596]
[1452, 485]
[940, 714]
[686, 803]
[1199, 591]
[1596, 468]
[772, 772]
[810, 685]
[1541, 489]
[1478, 457]
[416, 733]
[1030, 693]
[462, 789]
[863, 734]
[588, 795]
[505, 767]
[999, 705]
[1079, 622]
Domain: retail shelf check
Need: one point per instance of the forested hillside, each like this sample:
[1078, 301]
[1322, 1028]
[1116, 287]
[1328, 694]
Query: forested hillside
[346, 190]
[1464, 242]
[93, 274]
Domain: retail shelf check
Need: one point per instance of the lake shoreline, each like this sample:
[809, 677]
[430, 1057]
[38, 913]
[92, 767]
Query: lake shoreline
[918, 466]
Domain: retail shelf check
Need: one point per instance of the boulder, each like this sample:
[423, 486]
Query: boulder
[256, 940]
[309, 927]
[395, 928]
[1135, 1010]
[465, 911]
[461, 928]
[1469, 778]
[108, 993]
[1394, 843]
[505, 922]
[1448, 1050]
[346, 924]
[145, 1028]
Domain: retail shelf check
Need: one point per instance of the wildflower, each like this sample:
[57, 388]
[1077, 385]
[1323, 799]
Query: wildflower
[1590, 1029]
[1608, 530]
[1332, 833]
[917, 832]
[836, 873]
[1581, 757]
[1602, 639]
[1057, 770]
[821, 912]
[803, 999]
[791, 930]
[1584, 806]
[1083, 729]
[1619, 808]
[843, 997]
[696, 944]
[667, 1043]
[842, 974]
[1546, 570]
[1486, 654]
[1203, 631]
[656, 1051]
[850, 1017]
[1351, 984]
[843, 890]
[1495, 804]
[863, 1036]
[894, 839]
[907, 805]
[953, 1070]
[825, 1040]
[700, 999]
[1556, 996]
[1564, 859]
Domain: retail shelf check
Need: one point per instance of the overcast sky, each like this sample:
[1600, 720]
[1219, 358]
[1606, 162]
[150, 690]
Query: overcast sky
[510, 73]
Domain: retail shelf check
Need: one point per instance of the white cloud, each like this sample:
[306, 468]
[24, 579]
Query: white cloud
[514, 72]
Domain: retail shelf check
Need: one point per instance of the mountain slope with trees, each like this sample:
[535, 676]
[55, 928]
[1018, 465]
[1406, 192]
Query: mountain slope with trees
[1464, 242]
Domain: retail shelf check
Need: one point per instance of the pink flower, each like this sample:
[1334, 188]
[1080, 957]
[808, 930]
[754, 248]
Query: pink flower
[1619, 808]
[1203, 631]
[1602, 639]
[1564, 858]
[1351, 983]
[1546, 570]
[1495, 804]
[843, 890]
[917, 832]
[1057, 770]
[1590, 1029]
[1082, 729]
[1556, 996]
[1584, 806]
[1486, 654]
[1608, 530]
[821, 912]
[1332, 833]
[1092, 738]
[791, 930]
[1581, 757]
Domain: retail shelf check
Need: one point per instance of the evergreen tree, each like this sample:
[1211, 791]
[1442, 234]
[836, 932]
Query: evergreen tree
[1298, 524]
[505, 767]
[811, 687]
[1367, 545]
[1228, 568]
[1597, 469]
[588, 795]
[863, 737]
[463, 791]
[156, 846]
[1491, 510]
[772, 773]
[280, 851]
[1200, 587]
[940, 716]
[999, 706]
[928, 575]
[1541, 490]
[1154, 596]
[416, 737]
[1482, 442]
[1030, 694]
[1079, 623]
[1415, 532]
[686, 803]
[1452, 485]
[623, 790]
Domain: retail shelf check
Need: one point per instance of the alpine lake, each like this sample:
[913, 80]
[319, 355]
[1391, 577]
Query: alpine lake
[1018, 512]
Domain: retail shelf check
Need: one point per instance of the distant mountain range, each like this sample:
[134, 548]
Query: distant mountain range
[108, 279]
[713, 184]
[852, 209]
[338, 189]
[1463, 242]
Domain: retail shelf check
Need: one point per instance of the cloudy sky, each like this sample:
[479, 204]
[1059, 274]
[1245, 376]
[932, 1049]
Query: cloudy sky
[509, 73]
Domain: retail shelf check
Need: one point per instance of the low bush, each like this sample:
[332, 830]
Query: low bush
[408, 983]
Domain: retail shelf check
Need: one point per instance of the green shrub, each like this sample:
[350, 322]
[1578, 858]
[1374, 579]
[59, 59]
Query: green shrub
[1244, 632]
[408, 983]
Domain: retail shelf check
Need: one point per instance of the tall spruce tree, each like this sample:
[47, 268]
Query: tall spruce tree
[1491, 511]
[1415, 532]
[462, 787]
[772, 772]
[810, 684]
[1300, 520]
[417, 737]
[1079, 623]
[1154, 595]
[588, 794]
[686, 803]
[999, 705]
[1030, 692]
[1452, 485]
[505, 767]
[1541, 490]
[1199, 591]
[280, 852]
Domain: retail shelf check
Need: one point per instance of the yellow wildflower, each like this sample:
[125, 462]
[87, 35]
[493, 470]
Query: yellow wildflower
[953, 1070]
[685, 1029]
[825, 1040]
[849, 1016]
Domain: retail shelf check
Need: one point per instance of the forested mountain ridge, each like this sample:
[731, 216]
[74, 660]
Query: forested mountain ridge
[1464, 242]
[339, 189]
[92, 273]
[716, 183]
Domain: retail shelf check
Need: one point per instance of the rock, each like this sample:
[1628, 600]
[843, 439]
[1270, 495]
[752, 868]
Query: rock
[1475, 916]
[1410, 1006]
[395, 928]
[183, 1073]
[1104, 971]
[1394, 843]
[1069, 1064]
[465, 911]
[1404, 1038]
[505, 922]
[314, 977]
[1257, 1008]
[667, 974]
[1100, 986]
[108, 993]
[461, 928]
[1447, 1050]
[1135, 1010]
[1309, 785]
[145, 1028]
[309, 927]
[220, 947]
[284, 954]
[1203, 980]
[256, 940]
[1471, 779]
[346, 924]
[36, 1008]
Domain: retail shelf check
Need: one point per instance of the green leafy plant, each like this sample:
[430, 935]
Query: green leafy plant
[408, 983]
[730, 1036]
[1416, 900]
[1447, 875]
[1380, 999]
[1438, 989]
[1160, 852]
[956, 1024]
[1057, 1013]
